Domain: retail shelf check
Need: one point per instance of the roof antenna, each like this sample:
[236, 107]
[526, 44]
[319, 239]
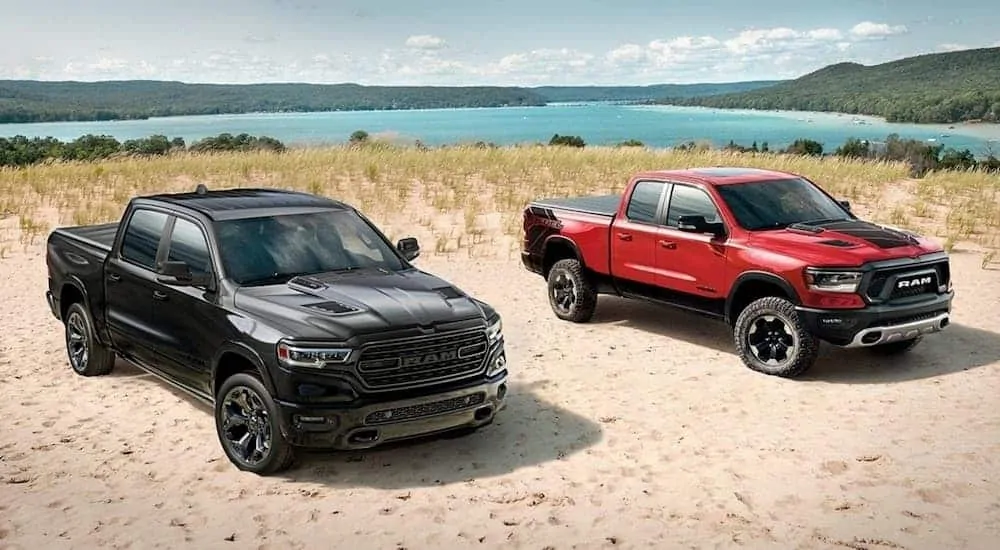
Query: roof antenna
[201, 189]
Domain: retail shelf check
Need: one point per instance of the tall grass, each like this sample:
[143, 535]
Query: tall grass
[457, 197]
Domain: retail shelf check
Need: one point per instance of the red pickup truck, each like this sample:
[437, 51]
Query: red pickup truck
[777, 258]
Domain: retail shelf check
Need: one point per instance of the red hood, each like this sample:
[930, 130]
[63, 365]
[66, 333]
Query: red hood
[846, 243]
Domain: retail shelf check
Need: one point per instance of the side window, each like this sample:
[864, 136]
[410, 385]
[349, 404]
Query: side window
[643, 202]
[142, 237]
[691, 201]
[188, 245]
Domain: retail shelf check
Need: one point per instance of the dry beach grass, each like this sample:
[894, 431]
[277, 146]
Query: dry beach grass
[640, 429]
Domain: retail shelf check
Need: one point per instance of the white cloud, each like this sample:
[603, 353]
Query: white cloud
[780, 52]
[951, 47]
[876, 31]
[425, 42]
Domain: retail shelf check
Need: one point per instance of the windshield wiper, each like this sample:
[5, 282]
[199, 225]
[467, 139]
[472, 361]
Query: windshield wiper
[822, 220]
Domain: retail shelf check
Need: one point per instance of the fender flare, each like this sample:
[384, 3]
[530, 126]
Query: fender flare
[74, 282]
[758, 276]
[247, 353]
[561, 240]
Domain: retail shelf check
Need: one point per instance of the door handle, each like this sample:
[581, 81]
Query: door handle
[625, 236]
[159, 295]
[670, 245]
[114, 277]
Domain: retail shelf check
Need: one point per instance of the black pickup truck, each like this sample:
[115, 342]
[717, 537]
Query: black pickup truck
[291, 314]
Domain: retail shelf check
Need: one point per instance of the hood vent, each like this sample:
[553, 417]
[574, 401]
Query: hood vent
[332, 308]
[449, 292]
[838, 242]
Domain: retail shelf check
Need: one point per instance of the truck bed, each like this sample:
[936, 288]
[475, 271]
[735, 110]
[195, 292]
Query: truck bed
[101, 236]
[598, 205]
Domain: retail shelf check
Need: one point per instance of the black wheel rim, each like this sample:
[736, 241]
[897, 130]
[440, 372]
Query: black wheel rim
[771, 341]
[246, 425]
[76, 342]
[563, 292]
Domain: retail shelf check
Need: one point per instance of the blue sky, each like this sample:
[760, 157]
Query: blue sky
[500, 42]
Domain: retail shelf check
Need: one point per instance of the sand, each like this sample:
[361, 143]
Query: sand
[640, 429]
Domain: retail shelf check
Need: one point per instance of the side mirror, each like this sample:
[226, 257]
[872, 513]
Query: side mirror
[177, 273]
[846, 205]
[409, 248]
[697, 224]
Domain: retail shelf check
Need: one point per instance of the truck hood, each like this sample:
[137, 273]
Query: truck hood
[843, 243]
[339, 306]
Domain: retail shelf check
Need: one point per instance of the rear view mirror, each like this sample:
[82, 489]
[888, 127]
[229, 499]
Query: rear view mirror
[177, 273]
[409, 247]
[697, 224]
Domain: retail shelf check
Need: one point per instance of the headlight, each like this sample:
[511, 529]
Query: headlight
[494, 331]
[298, 356]
[497, 364]
[821, 280]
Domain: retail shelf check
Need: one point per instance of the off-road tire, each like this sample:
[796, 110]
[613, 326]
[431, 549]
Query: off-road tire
[280, 454]
[895, 348]
[87, 356]
[579, 305]
[802, 346]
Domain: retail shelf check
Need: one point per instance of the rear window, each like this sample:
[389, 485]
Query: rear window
[142, 237]
[644, 201]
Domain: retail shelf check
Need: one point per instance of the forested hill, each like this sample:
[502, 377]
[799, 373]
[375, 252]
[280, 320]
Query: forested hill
[42, 101]
[933, 88]
[653, 91]
[45, 101]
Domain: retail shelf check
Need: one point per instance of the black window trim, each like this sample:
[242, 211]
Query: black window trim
[711, 199]
[660, 216]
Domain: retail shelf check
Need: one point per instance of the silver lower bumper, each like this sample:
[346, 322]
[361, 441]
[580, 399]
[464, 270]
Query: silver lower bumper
[897, 333]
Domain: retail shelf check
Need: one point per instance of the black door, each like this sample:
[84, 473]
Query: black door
[130, 282]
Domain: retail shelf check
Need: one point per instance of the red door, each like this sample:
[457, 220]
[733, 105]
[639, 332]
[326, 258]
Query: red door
[635, 235]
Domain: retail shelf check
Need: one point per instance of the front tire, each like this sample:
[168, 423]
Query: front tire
[895, 348]
[87, 356]
[572, 294]
[771, 338]
[246, 421]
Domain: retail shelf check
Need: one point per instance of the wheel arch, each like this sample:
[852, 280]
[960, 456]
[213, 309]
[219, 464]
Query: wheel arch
[753, 285]
[234, 358]
[558, 248]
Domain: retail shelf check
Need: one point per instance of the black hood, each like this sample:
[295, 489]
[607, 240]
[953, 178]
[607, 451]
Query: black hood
[876, 235]
[340, 306]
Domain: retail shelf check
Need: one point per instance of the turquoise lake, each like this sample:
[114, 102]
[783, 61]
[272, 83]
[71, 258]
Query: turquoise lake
[597, 124]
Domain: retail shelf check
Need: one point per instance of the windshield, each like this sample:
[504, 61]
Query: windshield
[775, 204]
[274, 249]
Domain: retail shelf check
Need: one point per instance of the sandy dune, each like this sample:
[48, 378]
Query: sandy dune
[641, 429]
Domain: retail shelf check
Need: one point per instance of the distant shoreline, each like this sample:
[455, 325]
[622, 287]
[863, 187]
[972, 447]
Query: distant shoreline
[991, 129]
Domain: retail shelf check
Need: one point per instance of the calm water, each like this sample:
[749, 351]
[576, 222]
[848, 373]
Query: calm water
[598, 124]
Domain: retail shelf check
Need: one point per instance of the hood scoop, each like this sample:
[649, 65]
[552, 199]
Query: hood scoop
[449, 292]
[806, 228]
[839, 243]
[313, 287]
[332, 308]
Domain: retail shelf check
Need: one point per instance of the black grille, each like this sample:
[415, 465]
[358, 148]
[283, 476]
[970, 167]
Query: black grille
[400, 414]
[422, 360]
[938, 272]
